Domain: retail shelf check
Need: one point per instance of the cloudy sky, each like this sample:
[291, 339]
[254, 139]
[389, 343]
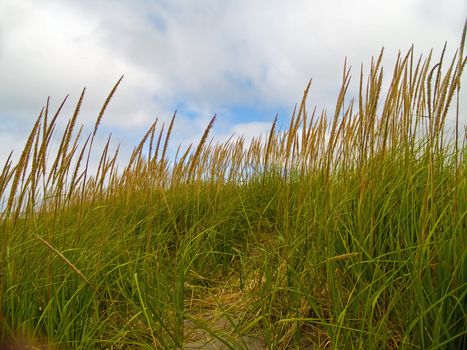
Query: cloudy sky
[245, 60]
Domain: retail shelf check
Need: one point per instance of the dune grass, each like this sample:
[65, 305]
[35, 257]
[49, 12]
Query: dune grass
[347, 230]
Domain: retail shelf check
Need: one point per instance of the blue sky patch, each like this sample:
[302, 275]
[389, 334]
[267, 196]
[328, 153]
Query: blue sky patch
[256, 113]
[157, 22]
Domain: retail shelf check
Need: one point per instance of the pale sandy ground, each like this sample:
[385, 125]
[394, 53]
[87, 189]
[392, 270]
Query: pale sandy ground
[197, 338]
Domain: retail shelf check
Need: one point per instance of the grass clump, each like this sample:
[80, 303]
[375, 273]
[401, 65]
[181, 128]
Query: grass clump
[340, 232]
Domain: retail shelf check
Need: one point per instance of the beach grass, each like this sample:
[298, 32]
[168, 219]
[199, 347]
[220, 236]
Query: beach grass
[347, 230]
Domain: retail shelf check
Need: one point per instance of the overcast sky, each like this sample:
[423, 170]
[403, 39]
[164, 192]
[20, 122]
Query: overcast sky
[245, 60]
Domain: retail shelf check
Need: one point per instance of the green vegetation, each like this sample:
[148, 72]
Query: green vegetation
[343, 231]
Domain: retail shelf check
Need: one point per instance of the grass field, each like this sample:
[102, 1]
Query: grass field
[348, 230]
